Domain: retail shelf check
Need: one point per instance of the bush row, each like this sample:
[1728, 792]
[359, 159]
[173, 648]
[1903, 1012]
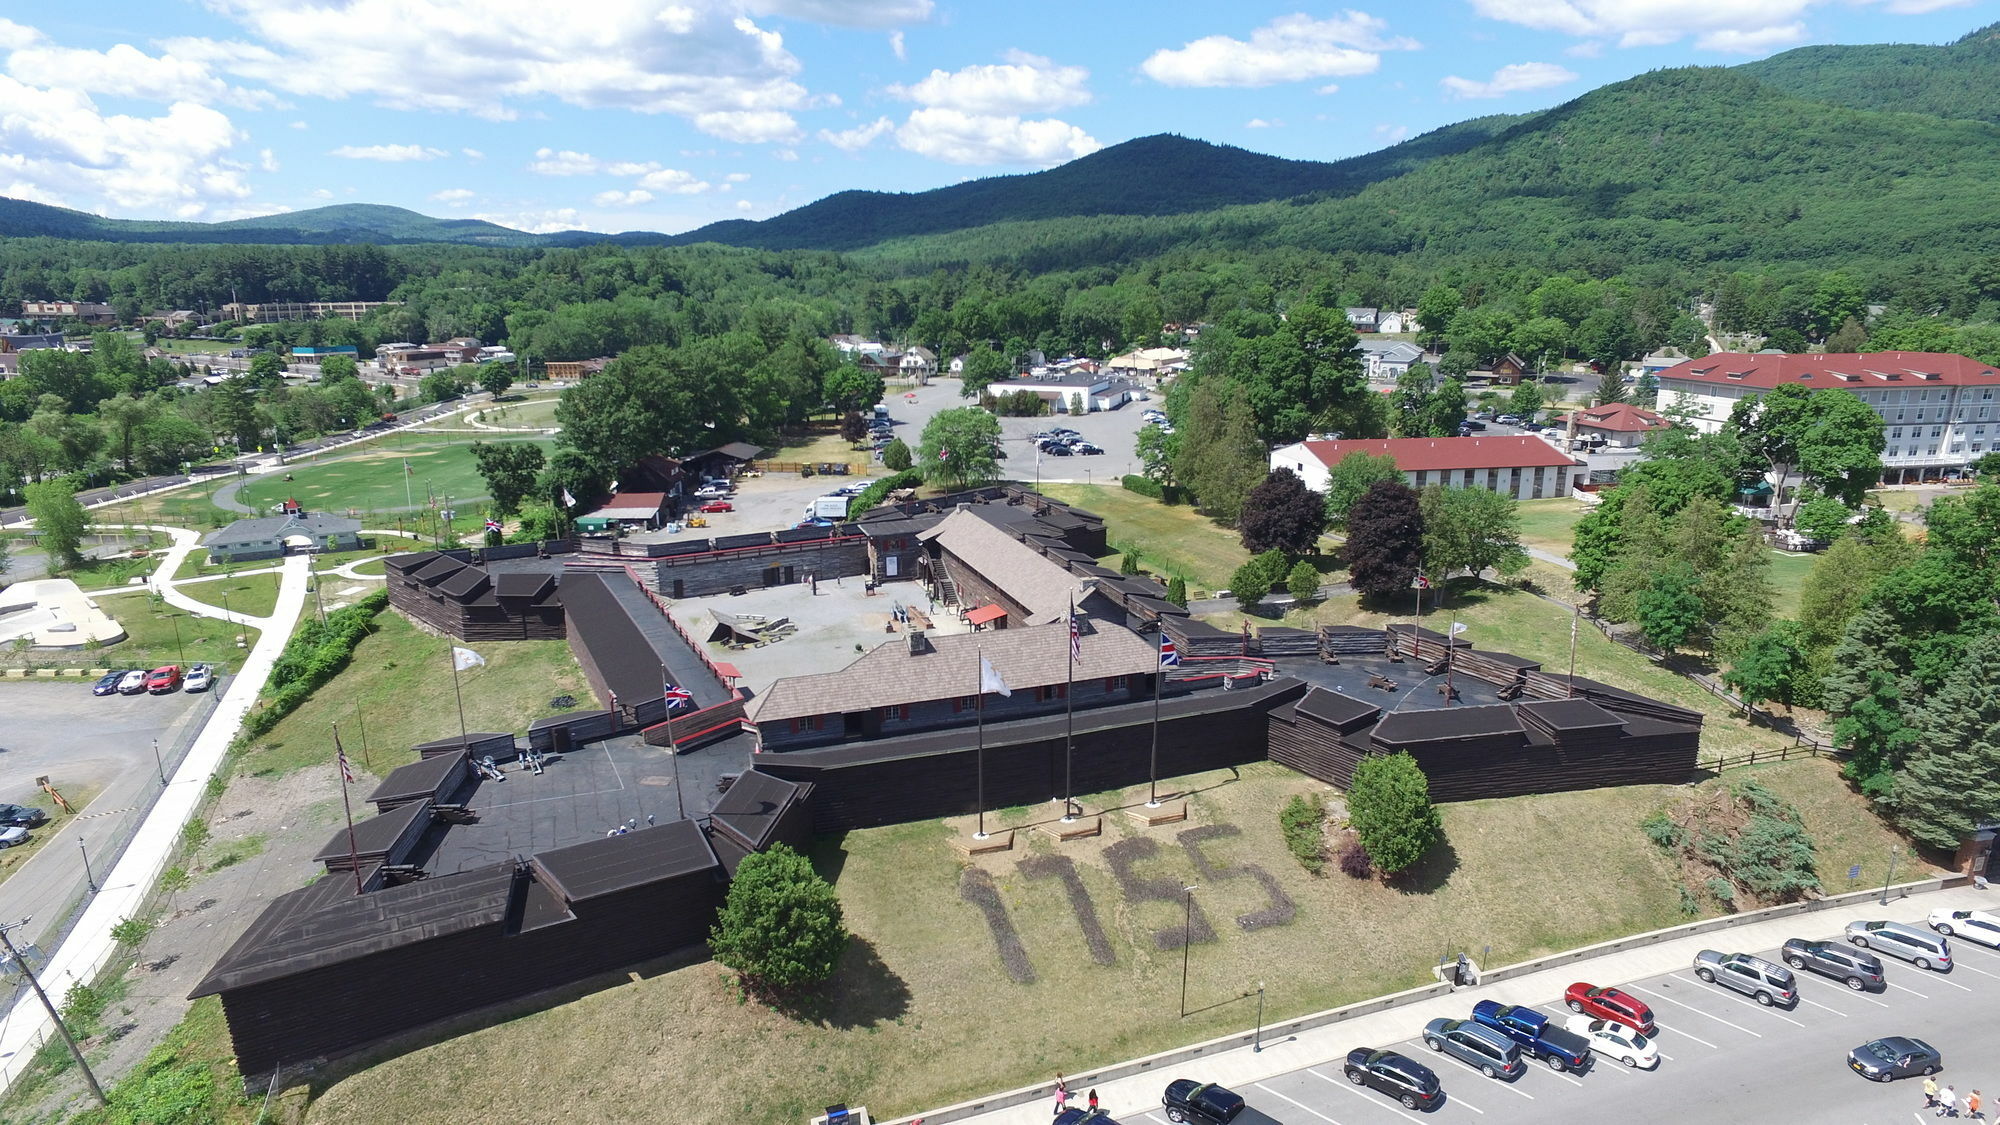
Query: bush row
[314, 655]
[1147, 486]
[875, 493]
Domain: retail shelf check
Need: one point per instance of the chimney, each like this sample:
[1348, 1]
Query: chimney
[918, 644]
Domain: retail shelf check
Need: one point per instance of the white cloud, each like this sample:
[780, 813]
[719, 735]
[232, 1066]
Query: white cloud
[1588, 49]
[1735, 26]
[737, 177]
[492, 58]
[1260, 123]
[388, 154]
[1288, 49]
[1329, 88]
[320, 193]
[57, 146]
[897, 47]
[745, 205]
[125, 71]
[957, 137]
[674, 181]
[1510, 79]
[549, 162]
[267, 160]
[622, 198]
[472, 154]
[785, 154]
[859, 137]
[298, 125]
[453, 196]
[1024, 83]
[1389, 133]
[749, 126]
[847, 13]
[535, 222]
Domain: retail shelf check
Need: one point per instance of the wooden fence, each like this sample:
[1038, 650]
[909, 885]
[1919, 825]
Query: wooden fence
[819, 468]
[1782, 754]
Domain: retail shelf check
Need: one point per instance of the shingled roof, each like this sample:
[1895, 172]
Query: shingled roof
[1041, 585]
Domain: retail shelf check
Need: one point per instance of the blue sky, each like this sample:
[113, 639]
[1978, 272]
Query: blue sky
[667, 114]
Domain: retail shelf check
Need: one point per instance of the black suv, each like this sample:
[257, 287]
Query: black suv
[1206, 1103]
[1404, 1079]
[21, 816]
[1857, 969]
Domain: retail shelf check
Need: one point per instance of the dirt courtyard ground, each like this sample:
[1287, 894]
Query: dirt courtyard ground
[835, 625]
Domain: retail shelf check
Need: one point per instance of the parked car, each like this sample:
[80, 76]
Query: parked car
[133, 683]
[1893, 1057]
[1055, 449]
[1472, 424]
[12, 836]
[1204, 1102]
[1921, 948]
[1755, 977]
[1974, 925]
[1083, 1117]
[200, 677]
[718, 506]
[1609, 1037]
[1508, 420]
[1480, 1047]
[1404, 1079]
[1085, 449]
[164, 679]
[1538, 1037]
[22, 816]
[1611, 1004]
[107, 684]
[1855, 968]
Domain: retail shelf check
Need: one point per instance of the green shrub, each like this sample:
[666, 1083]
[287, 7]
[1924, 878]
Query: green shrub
[1303, 821]
[83, 1004]
[1144, 486]
[1128, 563]
[1389, 805]
[1690, 903]
[1303, 582]
[315, 654]
[1723, 890]
[194, 834]
[1177, 591]
[132, 931]
[874, 494]
[1663, 831]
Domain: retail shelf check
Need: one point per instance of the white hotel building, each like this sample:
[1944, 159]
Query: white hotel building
[1940, 412]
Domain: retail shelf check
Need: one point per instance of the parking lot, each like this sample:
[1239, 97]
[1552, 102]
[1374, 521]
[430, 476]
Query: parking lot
[1724, 1058]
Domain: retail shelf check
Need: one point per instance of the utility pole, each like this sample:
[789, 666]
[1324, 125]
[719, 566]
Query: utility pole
[1187, 933]
[62, 1029]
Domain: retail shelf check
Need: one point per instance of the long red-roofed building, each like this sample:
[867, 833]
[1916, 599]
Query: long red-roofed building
[1526, 468]
[1939, 411]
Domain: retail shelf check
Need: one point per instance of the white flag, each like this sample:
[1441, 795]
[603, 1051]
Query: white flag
[614, 488]
[1457, 628]
[989, 680]
[463, 658]
[568, 500]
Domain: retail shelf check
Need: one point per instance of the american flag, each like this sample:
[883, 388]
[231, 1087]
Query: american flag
[1423, 583]
[1075, 636]
[340, 755]
[1170, 657]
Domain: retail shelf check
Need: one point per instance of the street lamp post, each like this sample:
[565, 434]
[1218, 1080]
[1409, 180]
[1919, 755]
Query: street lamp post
[1257, 1044]
[1890, 877]
[178, 646]
[87, 876]
[158, 765]
[1187, 933]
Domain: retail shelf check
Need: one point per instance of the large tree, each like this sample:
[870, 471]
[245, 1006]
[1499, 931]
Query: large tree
[1282, 513]
[1389, 805]
[781, 928]
[1350, 479]
[1221, 457]
[983, 365]
[1832, 439]
[1471, 529]
[1385, 540]
[510, 469]
[1950, 783]
[1670, 610]
[850, 387]
[1775, 666]
[60, 522]
[1436, 308]
[495, 378]
[960, 448]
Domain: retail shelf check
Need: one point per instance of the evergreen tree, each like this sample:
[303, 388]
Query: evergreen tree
[1303, 582]
[1282, 513]
[1389, 805]
[781, 927]
[1177, 591]
[1950, 783]
[1385, 540]
[1610, 387]
[896, 456]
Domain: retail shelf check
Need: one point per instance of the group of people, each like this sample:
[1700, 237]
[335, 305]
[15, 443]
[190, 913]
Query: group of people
[1946, 1101]
[1062, 1096]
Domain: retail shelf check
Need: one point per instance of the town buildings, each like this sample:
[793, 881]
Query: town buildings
[1617, 423]
[1526, 468]
[267, 311]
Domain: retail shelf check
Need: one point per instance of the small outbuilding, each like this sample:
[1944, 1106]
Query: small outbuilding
[272, 537]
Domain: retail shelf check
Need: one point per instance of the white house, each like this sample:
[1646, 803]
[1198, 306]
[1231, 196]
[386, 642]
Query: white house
[1100, 391]
[1385, 361]
[1392, 322]
[1526, 468]
[1940, 411]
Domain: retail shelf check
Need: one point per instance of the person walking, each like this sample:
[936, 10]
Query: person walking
[1948, 1103]
[1093, 1099]
[1062, 1093]
[1972, 1106]
[1930, 1091]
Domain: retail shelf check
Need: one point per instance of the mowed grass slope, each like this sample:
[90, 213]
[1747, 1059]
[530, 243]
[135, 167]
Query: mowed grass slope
[1173, 538]
[922, 1012]
[374, 481]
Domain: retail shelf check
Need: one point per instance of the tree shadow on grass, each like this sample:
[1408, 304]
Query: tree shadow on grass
[863, 992]
[1429, 873]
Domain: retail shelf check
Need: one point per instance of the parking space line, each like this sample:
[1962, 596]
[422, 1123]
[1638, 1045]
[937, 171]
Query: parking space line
[1699, 1012]
[1823, 1007]
[1565, 1077]
[1349, 1087]
[1454, 1098]
[1501, 1082]
[1911, 991]
[1981, 972]
[1772, 1010]
[1296, 1102]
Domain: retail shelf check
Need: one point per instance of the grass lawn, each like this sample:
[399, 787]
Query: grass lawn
[191, 507]
[1788, 579]
[157, 633]
[255, 595]
[922, 1012]
[1901, 500]
[397, 664]
[1171, 538]
[537, 412]
[1550, 524]
[374, 481]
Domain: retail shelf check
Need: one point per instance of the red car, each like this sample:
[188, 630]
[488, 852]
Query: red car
[163, 680]
[1611, 1004]
[718, 506]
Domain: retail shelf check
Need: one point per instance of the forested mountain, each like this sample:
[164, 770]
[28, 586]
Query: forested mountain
[1961, 80]
[341, 223]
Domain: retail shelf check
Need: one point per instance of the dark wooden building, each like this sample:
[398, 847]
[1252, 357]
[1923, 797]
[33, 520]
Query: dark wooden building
[459, 598]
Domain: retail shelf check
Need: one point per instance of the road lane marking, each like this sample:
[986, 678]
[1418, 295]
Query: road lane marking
[1451, 1099]
[1699, 1012]
[1768, 1008]
[1352, 1089]
[1297, 1102]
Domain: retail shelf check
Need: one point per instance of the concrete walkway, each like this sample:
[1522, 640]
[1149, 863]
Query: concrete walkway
[1130, 1098]
[126, 887]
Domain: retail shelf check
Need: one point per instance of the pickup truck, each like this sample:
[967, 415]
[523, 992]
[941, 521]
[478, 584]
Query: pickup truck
[1560, 1049]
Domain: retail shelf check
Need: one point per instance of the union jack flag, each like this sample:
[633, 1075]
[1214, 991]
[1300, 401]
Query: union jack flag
[492, 524]
[944, 454]
[1170, 657]
[676, 694]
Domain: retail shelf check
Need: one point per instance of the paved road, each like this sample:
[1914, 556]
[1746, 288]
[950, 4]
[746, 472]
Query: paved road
[80, 741]
[1114, 430]
[1726, 1059]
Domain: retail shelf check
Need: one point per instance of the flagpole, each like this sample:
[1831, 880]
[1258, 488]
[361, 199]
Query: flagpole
[979, 753]
[451, 654]
[673, 749]
[409, 495]
[353, 853]
[1069, 706]
[1572, 648]
[1159, 689]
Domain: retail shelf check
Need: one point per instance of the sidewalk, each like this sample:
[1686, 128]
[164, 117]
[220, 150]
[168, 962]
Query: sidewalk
[1239, 1066]
[89, 947]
